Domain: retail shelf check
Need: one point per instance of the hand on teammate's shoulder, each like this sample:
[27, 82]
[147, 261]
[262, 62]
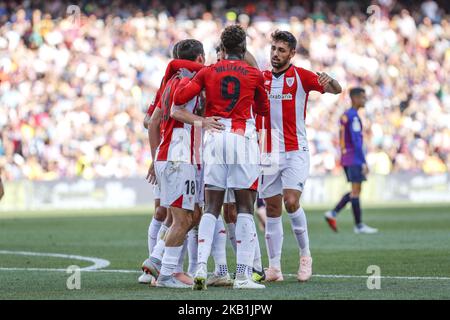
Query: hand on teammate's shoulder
[185, 73]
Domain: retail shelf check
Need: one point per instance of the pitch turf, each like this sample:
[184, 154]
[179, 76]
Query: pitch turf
[413, 242]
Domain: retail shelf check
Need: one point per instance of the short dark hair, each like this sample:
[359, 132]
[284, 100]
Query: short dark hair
[284, 36]
[356, 91]
[233, 39]
[190, 49]
[175, 50]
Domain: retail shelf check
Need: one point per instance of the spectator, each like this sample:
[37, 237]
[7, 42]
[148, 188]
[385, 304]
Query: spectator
[73, 93]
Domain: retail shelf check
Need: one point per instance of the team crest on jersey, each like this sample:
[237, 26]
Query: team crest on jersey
[290, 81]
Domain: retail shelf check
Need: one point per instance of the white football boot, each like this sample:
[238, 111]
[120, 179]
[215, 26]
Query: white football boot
[247, 284]
[364, 229]
[146, 278]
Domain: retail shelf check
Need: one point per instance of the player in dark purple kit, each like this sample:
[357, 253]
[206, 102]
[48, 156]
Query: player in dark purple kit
[353, 161]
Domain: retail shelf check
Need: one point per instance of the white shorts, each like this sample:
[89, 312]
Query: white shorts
[291, 171]
[231, 161]
[156, 192]
[199, 186]
[229, 196]
[178, 184]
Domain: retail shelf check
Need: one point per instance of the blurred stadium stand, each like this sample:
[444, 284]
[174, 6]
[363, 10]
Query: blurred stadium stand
[74, 92]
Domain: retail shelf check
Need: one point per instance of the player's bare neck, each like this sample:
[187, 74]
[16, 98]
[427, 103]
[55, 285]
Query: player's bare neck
[233, 57]
[279, 72]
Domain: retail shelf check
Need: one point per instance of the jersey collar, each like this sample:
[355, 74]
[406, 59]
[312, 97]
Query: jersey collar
[279, 74]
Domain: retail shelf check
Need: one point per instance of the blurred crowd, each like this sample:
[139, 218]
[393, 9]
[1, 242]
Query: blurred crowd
[76, 80]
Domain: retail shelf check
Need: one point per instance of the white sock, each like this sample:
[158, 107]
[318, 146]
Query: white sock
[152, 233]
[205, 236]
[245, 241]
[192, 249]
[274, 241]
[232, 235]
[170, 260]
[158, 250]
[257, 263]
[218, 250]
[180, 265]
[300, 228]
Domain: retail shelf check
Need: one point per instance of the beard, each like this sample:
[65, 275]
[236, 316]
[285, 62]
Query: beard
[279, 63]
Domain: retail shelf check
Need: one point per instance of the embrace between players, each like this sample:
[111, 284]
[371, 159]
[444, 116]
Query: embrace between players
[222, 133]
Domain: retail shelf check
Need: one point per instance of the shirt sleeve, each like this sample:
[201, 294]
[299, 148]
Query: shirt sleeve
[310, 81]
[356, 136]
[261, 100]
[187, 90]
[177, 64]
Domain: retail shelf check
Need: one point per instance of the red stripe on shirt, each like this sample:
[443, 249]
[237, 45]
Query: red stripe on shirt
[289, 114]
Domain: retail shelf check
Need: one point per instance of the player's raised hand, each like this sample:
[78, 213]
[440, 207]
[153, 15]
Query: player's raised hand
[324, 79]
[151, 176]
[213, 124]
[185, 73]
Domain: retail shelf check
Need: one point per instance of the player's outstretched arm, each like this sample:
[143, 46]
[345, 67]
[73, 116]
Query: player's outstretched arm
[179, 113]
[187, 90]
[329, 84]
[153, 131]
[262, 105]
[250, 59]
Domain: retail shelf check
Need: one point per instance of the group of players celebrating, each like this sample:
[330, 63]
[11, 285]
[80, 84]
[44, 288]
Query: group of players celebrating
[221, 134]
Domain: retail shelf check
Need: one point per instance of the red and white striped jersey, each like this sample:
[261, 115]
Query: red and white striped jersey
[288, 96]
[177, 138]
[233, 89]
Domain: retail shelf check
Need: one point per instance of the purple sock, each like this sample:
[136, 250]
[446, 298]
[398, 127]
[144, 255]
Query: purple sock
[356, 210]
[341, 205]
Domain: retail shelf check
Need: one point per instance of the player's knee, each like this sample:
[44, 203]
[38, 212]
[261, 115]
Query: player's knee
[291, 203]
[160, 213]
[273, 210]
[355, 193]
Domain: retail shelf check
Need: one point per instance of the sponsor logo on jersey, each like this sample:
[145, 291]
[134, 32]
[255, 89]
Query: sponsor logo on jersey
[279, 96]
[290, 81]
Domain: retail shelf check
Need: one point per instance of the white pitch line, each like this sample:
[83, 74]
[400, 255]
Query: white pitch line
[98, 263]
[334, 276]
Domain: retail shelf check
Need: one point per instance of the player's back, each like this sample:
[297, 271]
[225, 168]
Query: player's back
[232, 87]
[176, 136]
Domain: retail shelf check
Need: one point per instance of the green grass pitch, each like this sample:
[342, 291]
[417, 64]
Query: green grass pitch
[412, 250]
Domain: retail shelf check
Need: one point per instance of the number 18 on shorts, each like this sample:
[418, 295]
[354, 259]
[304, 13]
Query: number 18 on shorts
[177, 181]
